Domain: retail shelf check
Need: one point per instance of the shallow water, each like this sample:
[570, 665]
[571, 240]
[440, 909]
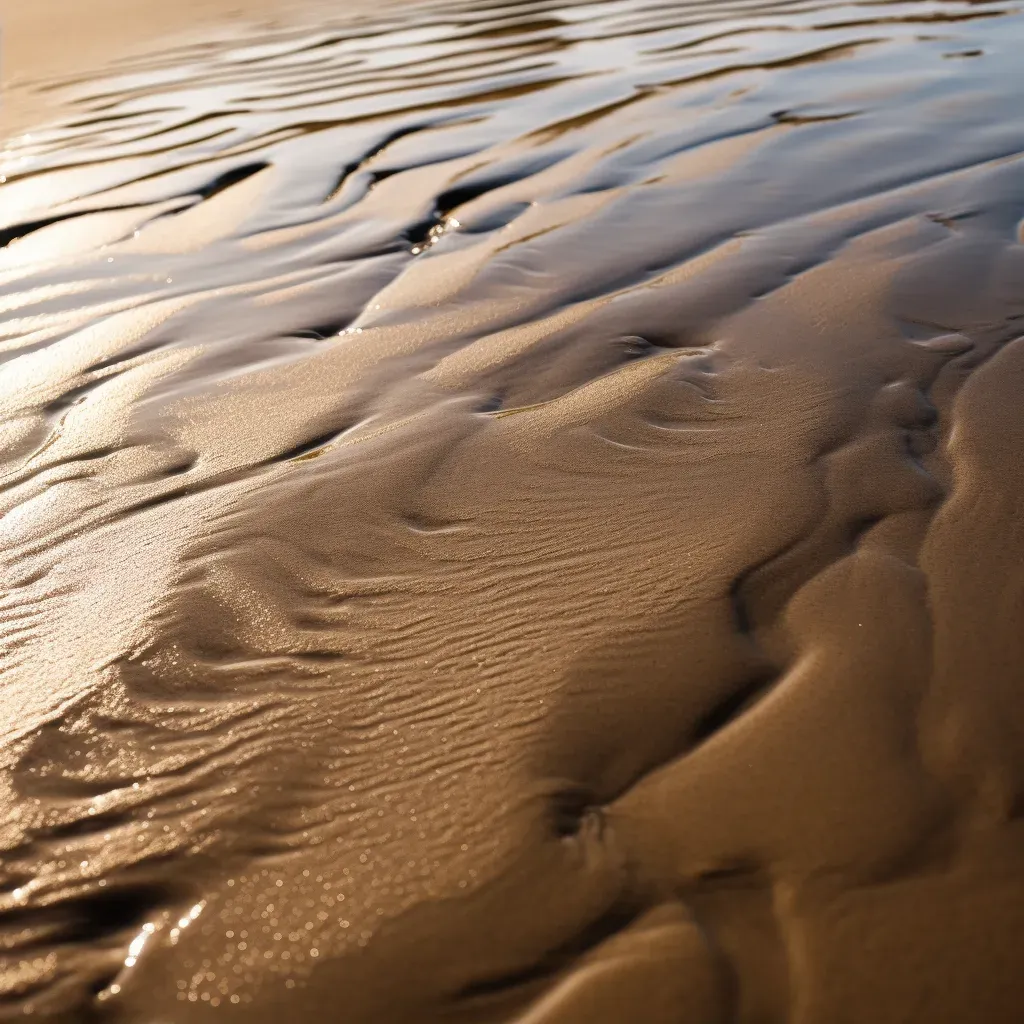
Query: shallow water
[511, 512]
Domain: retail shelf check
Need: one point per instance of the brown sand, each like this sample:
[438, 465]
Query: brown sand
[43, 40]
[513, 514]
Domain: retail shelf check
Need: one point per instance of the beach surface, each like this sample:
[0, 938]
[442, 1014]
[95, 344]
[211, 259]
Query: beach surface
[513, 513]
[42, 41]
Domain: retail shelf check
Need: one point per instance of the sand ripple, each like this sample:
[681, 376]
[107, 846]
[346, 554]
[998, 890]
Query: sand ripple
[513, 512]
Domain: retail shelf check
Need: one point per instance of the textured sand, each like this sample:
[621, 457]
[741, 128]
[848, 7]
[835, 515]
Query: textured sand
[514, 514]
[44, 40]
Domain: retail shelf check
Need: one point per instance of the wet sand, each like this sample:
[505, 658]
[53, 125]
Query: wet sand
[45, 41]
[513, 513]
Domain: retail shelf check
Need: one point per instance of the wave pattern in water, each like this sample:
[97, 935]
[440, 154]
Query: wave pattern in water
[500, 519]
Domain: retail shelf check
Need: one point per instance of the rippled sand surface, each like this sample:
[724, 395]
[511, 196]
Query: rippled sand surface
[515, 513]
